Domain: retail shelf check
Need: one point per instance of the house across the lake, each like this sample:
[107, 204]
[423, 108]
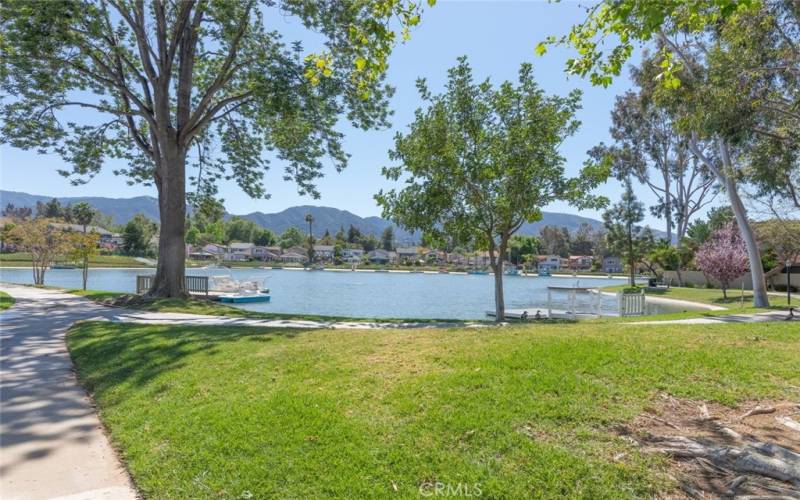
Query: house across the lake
[381, 256]
[612, 264]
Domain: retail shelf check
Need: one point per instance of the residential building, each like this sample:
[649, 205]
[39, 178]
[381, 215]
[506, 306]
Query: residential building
[214, 248]
[549, 262]
[612, 264]
[353, 254]
[580, 261]
[410, 254]
[289, 256]
[323, 252]
[380, 256]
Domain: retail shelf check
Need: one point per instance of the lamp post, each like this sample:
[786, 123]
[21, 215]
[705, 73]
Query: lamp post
[789, 281]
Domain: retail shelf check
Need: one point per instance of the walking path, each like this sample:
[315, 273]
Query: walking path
[51, 441]
[729, 318]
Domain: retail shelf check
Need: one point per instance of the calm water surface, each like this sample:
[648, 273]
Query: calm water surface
[362, 294]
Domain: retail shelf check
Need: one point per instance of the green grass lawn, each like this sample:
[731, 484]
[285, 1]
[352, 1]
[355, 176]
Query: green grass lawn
[22, 259]
[710, 296]
[524, 411]
[6, 301]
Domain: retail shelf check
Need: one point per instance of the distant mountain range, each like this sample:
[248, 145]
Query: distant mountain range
[325, 218]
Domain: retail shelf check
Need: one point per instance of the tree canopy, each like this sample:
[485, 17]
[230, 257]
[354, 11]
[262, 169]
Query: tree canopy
[208, 84]
[479, 161]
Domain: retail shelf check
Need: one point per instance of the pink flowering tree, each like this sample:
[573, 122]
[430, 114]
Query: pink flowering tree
[723, 256]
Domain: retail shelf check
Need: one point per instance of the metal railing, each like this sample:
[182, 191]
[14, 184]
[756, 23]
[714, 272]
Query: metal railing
[193, 284]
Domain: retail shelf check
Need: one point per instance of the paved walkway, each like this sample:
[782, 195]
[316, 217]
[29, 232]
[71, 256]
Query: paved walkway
[728, 318]
[51, 441]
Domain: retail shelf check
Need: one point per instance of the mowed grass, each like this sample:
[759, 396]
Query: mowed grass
[523, 411]
[23, 259]
[6, 301]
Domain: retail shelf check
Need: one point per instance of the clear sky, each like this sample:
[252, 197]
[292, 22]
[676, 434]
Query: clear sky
[496, 36]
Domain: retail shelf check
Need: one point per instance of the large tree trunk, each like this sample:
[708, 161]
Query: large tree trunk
[760, 297]
[171, 184]
[726, 177]
[499, 301]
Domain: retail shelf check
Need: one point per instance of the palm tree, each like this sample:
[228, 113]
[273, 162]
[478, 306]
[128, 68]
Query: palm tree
[310, 220]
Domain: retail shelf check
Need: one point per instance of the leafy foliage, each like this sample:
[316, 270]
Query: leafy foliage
[624, 235]
[480, 161]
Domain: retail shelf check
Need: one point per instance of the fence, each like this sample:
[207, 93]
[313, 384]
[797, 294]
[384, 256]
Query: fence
[193, 284]
[631, 304]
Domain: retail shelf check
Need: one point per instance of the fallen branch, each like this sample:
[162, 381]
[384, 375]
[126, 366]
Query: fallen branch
[762, 459]
[758, 410]
[662, 421]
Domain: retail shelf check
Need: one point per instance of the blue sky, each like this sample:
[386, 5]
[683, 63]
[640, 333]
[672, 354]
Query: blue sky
[496, 36]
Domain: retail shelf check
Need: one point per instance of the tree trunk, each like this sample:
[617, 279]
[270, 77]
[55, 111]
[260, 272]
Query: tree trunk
[499, 301]
[171, 184]
[760, 297]
[85, 260]
[631, 259]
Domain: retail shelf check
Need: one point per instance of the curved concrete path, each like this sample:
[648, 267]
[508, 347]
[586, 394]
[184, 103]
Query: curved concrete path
[52, 444]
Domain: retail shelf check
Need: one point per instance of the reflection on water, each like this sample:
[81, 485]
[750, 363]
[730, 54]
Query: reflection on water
[366, 294]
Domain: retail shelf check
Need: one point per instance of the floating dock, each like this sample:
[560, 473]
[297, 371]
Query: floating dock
[530, 314]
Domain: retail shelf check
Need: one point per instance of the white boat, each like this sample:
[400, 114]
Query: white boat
[226, 284]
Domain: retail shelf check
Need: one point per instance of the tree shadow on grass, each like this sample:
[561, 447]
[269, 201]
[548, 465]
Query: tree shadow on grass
[109, 354]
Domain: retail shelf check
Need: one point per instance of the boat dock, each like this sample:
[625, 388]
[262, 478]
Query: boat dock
[530, 313]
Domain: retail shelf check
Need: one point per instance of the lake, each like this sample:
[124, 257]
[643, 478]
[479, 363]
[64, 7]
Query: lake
[364, 294]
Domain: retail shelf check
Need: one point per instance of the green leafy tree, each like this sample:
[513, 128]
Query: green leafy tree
[326, 239]
[671, 258]
[136, 235]
[291, 237]
[84, 214]
[83, 246]
[524, 248]
[620, 24]
[243, 230]
[353, 234]
[340, 237]
[478, 162]
[368, 242]
[213, 76]
[581, 242]
[624, 235]
[387, 239]
[50, 210]
[265, 238]
[555, 240]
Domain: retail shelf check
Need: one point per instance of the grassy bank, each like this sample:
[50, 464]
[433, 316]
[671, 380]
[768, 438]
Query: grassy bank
[711, 296]
[22, 259]
[6, 301]
[525, 411]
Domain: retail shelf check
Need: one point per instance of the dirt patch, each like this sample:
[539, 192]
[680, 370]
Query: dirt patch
[716, 451]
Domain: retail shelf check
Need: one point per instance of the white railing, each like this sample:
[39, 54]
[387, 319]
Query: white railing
[631, 304]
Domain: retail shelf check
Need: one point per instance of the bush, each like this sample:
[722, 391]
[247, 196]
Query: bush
[688, 285]
[632, 289]
[782, 288]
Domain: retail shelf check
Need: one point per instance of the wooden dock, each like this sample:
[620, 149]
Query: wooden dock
[531, 312]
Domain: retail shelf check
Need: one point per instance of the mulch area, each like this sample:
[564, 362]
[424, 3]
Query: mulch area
[716, 451]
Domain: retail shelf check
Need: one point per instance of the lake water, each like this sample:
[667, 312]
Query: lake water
[364, 294]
